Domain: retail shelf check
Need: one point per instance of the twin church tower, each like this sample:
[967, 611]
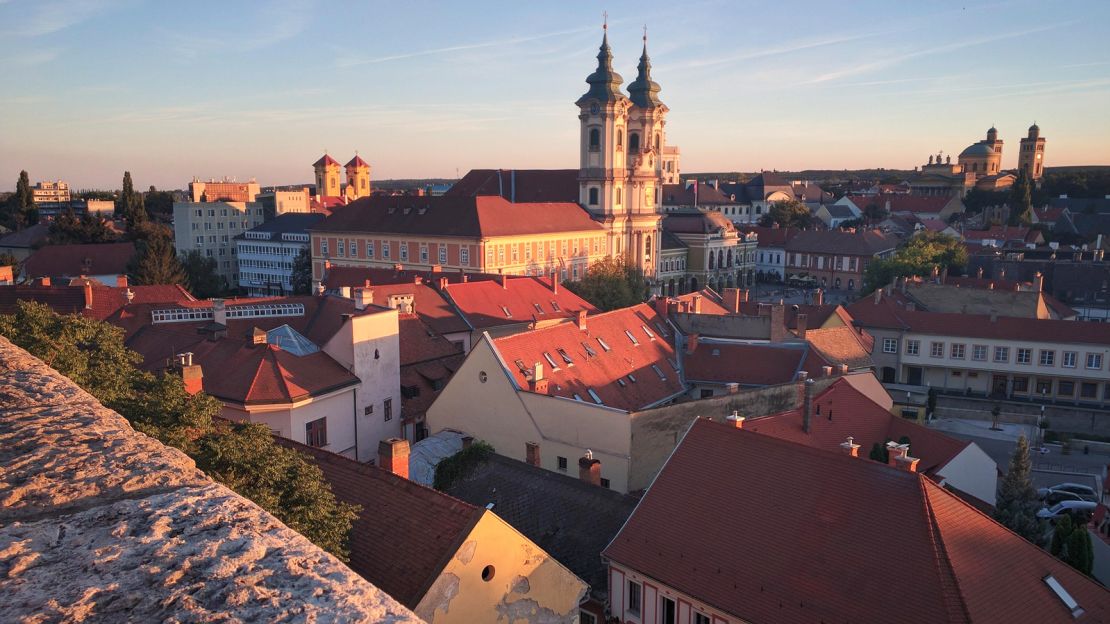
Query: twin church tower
[624, 159]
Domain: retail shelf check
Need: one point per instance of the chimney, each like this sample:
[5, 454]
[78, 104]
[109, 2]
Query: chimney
[44, 281]
[1038, 281]
[121, 281]
[258, 336]
[735, 419]
[363, 297]
[504, 280]
[849, 447]
[878, 295]
[696, 304]
[691, 344]
[802, 321]
[979, 273]
[732, 387]
[555, 283]
[819, 297]
[827, 371]
[807, 404]
[393, 455]
[589, 469]
[418, 280]
[580, 317]
[219, 311]
[87, 285]
[537, 383]
[990, 286]
[732, 300]
[467, 441]
[191, 374]
[441, 284]
[778, 322]
[532, 454]
[660, 305]
[842, 369]
[895, 450]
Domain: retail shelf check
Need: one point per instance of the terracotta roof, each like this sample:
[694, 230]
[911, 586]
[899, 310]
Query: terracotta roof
[75, 260]
[61, 299]
[745, 364]
[1003, 233]
[569, 519]
[697, 222]
[817, 560]
[456, 216]
[771, 236]
[483, 304]
[428, 302]
[27, 237]
[650, 360]
[887, 314]
[357, 161]
[865, 243]
[711, 301]
[905, 203]
[406, 532]
[325, 160]
[683, 195]
[842, 345]
[106, 300]
[421, 383]
[419, 344]
[525, 185]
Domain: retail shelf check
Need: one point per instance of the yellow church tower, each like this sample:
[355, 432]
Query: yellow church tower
[1031, 156]
[358, 178]
[327, 176]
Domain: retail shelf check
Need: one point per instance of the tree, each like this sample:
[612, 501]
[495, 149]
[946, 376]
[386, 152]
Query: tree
[1060, 534]
[157, 263]
[302, 273]
[202, 274]
[69, 228]
[158, 202]
[1071, 543]
[788, 213]
[1021, 200]
[243, 457]
[20, 211]
[917, 257]
[131, 204]
[611, 283]
[875, 212]
[7, 259]
[1017, 503]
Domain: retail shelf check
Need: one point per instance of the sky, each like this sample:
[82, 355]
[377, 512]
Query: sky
[172, 90]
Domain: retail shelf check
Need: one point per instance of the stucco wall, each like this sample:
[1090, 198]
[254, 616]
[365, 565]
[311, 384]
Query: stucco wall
[974, 472]
[497, 575]
[289, 422]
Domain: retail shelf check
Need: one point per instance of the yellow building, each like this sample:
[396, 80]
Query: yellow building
[983, 158]
[1031, 155]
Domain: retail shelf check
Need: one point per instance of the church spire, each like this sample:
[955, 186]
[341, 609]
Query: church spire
[605, 84]
[643, 91]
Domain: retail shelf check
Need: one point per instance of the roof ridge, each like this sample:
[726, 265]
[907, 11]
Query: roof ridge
[941, 559]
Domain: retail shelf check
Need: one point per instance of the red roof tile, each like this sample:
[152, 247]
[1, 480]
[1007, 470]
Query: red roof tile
[863, 243]
[817, 561]
[650, 360]
[525, 185]
[106, 300]
[77, 260]
[357, 276]
[428, 302]
[711, 302]
[681, 195]
[325, 160]
[905, 203]
[483, 304]
[770, 236]
[357, 161]
[746, 364]
[419, 344]
[405, 533]
[427, 379]
[842, 345]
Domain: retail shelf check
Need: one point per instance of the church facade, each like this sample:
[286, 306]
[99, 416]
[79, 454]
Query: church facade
[979, 166]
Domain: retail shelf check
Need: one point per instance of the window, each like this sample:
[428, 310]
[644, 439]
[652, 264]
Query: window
[1094, 361]
[369, 250]
[979, 353]
[958, 351]
[633, 142]
[1002, 354]
[387, 248]
[593, 197]
[595, 139]
[339, 248]
[1070, 358]
[1024, 356]
[368, 410]
[550, 361]
[634, 598]
[1065, 388]
[563, 354]
[404, 251]
[647, 331]
[323, 247]
[667, 613]
[701, 618]
[890, 345]
[658, 371]
[562, 463]
[1021, 384]
[586, 618]
[316, 432]
[936, 349]
[387, 409]
[604, 345]
[605, 483]
[913, 347]
[1088, 390]
[1048, 358]
[631, 337]
[464, 256]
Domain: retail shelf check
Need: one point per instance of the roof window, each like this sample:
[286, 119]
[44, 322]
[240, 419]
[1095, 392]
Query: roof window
[555, 306]
[593, 395]
[1063, 595]
[662, 330]
[604, 345]
[659, 371]
[539, 308]
[631, 337]
[620, 382]
[550, 361]
[589, 350]
[577, 397]
[508, 314]
[563, 354]
[631, 378]
[648, 332]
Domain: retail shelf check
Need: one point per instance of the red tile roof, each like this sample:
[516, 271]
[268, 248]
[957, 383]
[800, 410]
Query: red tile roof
[106, 300]
[325, 160]
[842, 345]
[405, 533]
[428, 379]
[915, 204]
[457, 216]
[709, 222]
[418, 343]
[428, 302]
[483, 304]
[27, 237]
[76, 260]
[528, 185]
[863, 243]
[770, 236]
[1004, 233]
[870, 543]
[711, 301]
[681, 195]
[887, 314]
[357, 161]
[746, 364]
[650, 361]
[356, 276]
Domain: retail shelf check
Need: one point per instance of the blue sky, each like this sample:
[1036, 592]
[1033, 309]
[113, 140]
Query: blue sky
[424, 89]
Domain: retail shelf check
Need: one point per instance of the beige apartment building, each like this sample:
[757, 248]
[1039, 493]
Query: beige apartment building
[50, 192]
[211, 228]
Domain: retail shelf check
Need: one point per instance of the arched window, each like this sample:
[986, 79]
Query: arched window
[647, 246]
[334, 182]
[721, 258]
[657, 141]
[633, 142]
[711, 258]
[729, 257]
[593, 197]
[595, 139]
[618, 195]
[620, 139]
[851, 284]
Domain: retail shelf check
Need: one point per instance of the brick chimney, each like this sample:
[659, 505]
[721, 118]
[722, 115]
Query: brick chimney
[537, 383]
[732, 387]
[827, 371]
[732, 300]
[258, 336]
[44, 281]
[441, 283]
[695, 304]
[898, 455]
[88, 290]
[691, 344]
[778, 322]
[660, 305]
[532, 454]
[849, 447]
[504, 280]
[121, 281]
[807, 404]
[1038, 281]
[735, 419]
[589, 469]
[580, 318]
[393, 455]
[191, 374]
[363, 297]
[819, 297]
[555, 282]
[219, 311]
[802, 321]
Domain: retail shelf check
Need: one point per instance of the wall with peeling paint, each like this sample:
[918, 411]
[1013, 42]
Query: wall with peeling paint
[498, 575]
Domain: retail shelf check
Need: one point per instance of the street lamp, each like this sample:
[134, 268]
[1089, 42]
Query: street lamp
[1040, 431]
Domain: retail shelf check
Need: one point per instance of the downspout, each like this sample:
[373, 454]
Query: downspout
[354, 408]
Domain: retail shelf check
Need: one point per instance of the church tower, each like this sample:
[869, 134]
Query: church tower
[646, 138]
[358, 178]
[327, 176]
[603, 116]
[1031, 156]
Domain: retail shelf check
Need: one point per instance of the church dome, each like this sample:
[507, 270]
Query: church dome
[976, 150]
[1034, 130]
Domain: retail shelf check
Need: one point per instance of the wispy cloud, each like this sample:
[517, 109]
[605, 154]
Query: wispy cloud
[44, 17]
[29, 57]
[352, 61]
[890, 61]
[779, 50]
[280, 21]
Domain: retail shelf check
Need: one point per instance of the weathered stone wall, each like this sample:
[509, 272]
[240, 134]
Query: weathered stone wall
[101, 523]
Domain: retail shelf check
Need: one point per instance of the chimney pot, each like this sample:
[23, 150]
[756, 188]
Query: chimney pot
[733, 387]
[504, 280]
[393, 455]
[819, 297]
[532, 454]
[121, 281]
[802, 322]
[850, 447]
[736, 420]
[555, 282]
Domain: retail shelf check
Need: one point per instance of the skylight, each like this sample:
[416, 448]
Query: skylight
[659, 371]
[631, 378]
[1064, 596]
[589, 350]
[555, 306]
[604, 345]
[550, 361]
[563, 354]
[508, 314]
[648, 332]
[593, 395]
[577, 397]
[539, 308]
[620, 382]
[631, 337]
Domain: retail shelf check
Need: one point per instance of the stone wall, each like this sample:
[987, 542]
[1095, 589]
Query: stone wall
[101, 523]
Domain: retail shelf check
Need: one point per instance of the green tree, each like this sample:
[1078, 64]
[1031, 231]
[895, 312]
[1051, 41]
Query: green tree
[917, 257]
[202, 274]
[1080, 551]
[131, 204]
[158, 202]
[1021, 200]
[1017, 504]
[788, 213]
[7, 259]
[242, 456]
[19, 210]
[156, 263]
[302, 273]
[69, 228]
[611, 283]
[875, 212]
[1060, 534]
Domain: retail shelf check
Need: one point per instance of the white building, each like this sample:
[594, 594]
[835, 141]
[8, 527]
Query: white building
[211, 228]
[266, 253]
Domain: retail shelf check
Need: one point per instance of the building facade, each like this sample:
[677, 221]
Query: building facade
[835, 259]
[1031, 155]
[50, 193]
[212, 227]
[266, 253]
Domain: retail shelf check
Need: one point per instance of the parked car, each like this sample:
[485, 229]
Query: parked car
[1080, 510]
[1056, 496]
[1084, 492]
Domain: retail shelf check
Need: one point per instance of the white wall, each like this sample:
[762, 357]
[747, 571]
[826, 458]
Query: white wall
[289, 421]
[974, 472]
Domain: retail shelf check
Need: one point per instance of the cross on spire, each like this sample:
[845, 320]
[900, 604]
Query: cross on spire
[605, 20]
[645, 33]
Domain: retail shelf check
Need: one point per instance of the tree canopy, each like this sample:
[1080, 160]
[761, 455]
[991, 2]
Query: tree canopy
[131, 204]
[917, 257]
[201, 271]
[1017, 503]
[789, 213]
[611, 283]
[301, 279]
[69, 228]
[242, 456]
[19, 210]
[156, 261]
[1021, 200]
